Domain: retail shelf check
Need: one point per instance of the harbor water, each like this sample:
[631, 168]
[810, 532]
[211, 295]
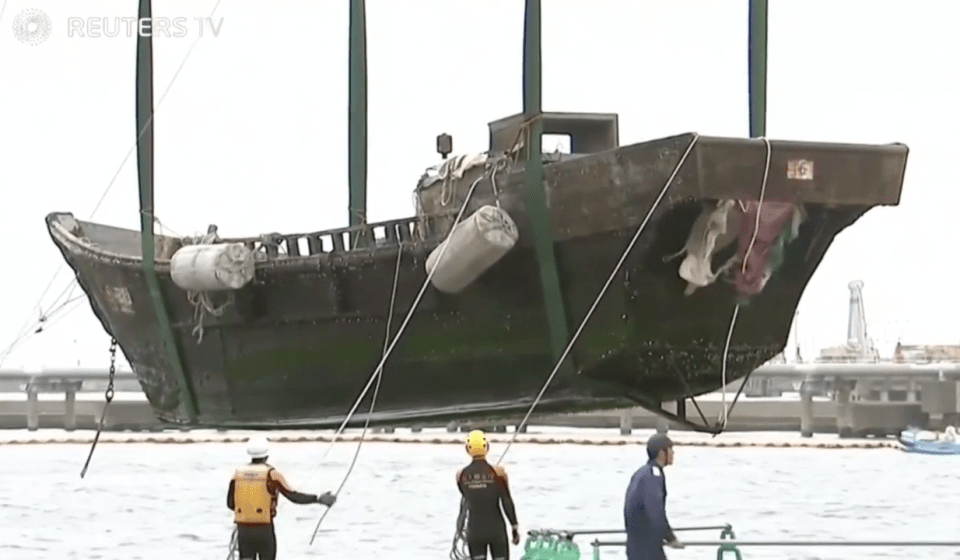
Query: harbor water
[146, 501]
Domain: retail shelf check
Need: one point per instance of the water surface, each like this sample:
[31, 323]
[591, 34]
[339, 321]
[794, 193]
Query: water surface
[161, 501]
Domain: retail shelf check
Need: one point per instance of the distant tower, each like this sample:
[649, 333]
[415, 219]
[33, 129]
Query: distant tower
[857, 339]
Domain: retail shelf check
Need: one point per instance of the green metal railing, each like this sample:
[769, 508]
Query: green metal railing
[549, 544]
[560, 545]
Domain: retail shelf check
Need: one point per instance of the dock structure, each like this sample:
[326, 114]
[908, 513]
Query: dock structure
[850, 399]
[71, 399]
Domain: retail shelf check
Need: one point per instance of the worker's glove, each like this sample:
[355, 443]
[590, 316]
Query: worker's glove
[675, 543]
[516, 535]
[326, 499]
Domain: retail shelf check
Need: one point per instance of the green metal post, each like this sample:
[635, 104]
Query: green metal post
[533, 183]
[758, 68]
[144, 102]
[358, 117]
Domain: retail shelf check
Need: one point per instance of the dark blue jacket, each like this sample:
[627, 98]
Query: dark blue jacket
[645, 514]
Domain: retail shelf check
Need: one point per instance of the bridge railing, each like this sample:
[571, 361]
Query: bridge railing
[67, 382]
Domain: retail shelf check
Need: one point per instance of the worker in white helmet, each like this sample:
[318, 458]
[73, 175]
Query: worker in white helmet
[252, 497]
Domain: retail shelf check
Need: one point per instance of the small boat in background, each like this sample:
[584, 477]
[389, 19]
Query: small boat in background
[915, 440]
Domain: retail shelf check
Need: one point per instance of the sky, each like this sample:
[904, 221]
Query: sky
[252, 133]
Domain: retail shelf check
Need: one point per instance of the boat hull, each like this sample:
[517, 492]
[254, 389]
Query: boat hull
[915, 440]
[911, 444]
[298, 344]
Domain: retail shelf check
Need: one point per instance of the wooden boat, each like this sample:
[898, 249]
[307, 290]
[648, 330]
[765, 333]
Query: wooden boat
[299, 342]
[301, 327]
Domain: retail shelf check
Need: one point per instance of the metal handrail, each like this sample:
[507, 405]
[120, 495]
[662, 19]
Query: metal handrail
[734, 542]
[75, 375]
[620, 531]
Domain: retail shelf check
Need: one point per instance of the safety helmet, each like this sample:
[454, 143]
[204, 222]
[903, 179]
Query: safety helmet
[257, 447]
[658, 443]
[477, 445]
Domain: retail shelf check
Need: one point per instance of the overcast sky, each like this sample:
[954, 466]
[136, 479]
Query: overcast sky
[252, 135]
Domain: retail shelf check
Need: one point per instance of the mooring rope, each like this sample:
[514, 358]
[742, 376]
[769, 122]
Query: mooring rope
[413, 307]
[725, 412]
[25, 330]
[492, 167]
[373, 401]
[458, 549]
[376, 390]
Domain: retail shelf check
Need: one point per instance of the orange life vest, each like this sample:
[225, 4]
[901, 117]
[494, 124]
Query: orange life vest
[254, 502]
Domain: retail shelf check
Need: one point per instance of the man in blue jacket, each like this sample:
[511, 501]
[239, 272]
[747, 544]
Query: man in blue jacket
[644, 510]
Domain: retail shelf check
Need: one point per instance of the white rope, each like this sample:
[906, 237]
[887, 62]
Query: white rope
[200, 300]
[376, 390]
[736, 310]
[458, 548]
[416, 302]
[25, 329]
[603, 291]
[43, 323]
[373, 401]
[234, 549]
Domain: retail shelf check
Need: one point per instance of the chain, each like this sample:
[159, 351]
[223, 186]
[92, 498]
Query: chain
[108, 395]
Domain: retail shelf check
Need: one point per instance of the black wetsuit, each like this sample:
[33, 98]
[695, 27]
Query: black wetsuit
[485, 489]
[259, 541]
[256, 542]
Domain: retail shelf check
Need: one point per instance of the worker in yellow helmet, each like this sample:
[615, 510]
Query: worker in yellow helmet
[253, 499]
[485, 490]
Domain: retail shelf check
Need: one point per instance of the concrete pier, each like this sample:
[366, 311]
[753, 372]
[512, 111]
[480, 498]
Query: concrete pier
[842, 396]
[846, 399]
[626, 423]
[129, 410]
[806, 408]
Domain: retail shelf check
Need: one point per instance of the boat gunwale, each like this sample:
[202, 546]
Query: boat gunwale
[76, 245]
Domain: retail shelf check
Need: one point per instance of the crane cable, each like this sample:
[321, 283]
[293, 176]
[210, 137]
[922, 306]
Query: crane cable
[457, 551]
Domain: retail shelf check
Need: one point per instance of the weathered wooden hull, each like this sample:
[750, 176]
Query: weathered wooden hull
[300, 342]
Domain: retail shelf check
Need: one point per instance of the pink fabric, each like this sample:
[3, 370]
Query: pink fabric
[773, 217]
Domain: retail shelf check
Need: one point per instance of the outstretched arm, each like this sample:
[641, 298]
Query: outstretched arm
[281, 484]
[506, 500]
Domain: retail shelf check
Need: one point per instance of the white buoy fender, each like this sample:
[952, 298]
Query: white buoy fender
[475, 245]
[215, 267]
